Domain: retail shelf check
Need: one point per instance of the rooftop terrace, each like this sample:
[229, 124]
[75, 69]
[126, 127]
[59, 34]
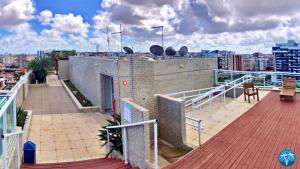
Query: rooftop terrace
[254, 140]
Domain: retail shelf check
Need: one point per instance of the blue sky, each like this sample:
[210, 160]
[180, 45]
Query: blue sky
[242, 26]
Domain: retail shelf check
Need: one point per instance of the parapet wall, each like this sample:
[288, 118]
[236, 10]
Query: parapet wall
[172, 126]
[138, 140]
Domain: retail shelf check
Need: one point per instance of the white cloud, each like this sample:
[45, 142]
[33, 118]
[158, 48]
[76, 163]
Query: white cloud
[68, 23]
[15, 12]
[45, 17]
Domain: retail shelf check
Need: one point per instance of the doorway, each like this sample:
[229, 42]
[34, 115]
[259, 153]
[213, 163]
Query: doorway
[107, 87]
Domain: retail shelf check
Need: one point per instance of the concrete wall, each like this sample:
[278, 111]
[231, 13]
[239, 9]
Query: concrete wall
[63, 69]
[169, 76]
[172, 126]
[137, 137]
[85, 74]
[183, 74]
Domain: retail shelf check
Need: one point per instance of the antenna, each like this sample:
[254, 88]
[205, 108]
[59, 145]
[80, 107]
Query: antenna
[183, 51]
[121, 38]
[162, 34]
[128, 50]
[107, 38]
[157, 50]
[170, 52]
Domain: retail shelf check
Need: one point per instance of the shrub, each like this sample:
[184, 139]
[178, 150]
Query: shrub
[40, 67]
[115, 135]
[21, 117]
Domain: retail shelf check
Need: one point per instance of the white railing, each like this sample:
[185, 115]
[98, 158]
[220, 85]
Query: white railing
[11, 137]
[23, 79]
[187, 96]
[124, 139]
[233, 87]
[197, 124]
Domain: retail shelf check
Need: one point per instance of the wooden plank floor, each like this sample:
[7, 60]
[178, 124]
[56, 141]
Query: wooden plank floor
[254, 140]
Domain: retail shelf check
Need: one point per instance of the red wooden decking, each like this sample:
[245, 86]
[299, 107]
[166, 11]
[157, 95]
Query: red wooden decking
[104, 163]
[254, 140]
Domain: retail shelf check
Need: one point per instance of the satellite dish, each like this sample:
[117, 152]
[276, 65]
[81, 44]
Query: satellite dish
[170, 51]
[128, 50]
[183, 51]
[156, 50]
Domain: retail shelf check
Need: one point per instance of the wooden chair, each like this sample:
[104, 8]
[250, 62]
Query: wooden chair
[288, 89]
[250, 90]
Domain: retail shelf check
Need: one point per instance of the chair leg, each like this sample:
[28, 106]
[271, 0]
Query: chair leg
[257, 97]
[245, 97]
[249, 98]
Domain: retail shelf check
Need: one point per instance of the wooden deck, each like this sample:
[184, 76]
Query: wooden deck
[104, 163]
[254, 140]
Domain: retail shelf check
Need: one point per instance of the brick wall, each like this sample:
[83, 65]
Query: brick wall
[137, 137]
[172, 125]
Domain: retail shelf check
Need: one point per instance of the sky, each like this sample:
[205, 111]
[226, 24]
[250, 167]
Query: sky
[243, 26]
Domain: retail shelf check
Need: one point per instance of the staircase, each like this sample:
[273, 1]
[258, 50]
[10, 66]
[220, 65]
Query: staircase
[103, 163]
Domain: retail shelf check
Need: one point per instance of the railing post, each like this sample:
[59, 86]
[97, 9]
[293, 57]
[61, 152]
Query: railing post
[216, 77]
[224, 96]
[199, 132]
[231, 76]
[18, 151]
[125, 145]
[155, 147]
[108, 145]
[234, 90]
[4, 141]
[210, 105]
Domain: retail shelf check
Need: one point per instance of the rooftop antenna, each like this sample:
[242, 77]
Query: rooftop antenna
[162, 34]
[170, 52]
[107, 38]
[157, 50]
[121, 38]
[183, 51]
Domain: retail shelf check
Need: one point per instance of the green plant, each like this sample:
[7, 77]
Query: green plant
[40, 67]
[21, 117]
[115, 135]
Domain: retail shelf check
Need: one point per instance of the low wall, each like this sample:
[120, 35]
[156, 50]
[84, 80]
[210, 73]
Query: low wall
[63, 69]
[22, 93]
[137, 137]
[230, 93]
[78, 105]
[172, 125]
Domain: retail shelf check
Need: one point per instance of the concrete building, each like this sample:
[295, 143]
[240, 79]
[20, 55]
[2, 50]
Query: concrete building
[287, 56]
[103, 79]
[40, 54]
[21, 60]
[261, 64]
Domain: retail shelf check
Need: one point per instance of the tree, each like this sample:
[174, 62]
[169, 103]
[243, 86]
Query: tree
[40, 67]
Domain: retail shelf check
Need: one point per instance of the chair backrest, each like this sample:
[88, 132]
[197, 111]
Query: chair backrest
[248, 85]
[289, 83]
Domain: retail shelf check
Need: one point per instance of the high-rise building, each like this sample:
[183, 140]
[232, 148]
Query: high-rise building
[40, 54]
[287, 56]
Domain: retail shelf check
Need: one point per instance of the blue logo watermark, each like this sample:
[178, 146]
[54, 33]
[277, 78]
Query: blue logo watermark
[287, 158]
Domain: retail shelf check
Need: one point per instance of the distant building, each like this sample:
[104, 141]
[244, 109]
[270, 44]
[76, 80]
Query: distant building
[21, 60]
[40, 54]
[287, 56]
[261, 64]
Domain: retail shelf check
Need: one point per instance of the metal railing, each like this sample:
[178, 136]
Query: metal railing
[10, 138]
[262, 79]
[197, 124]
[124, 139]
[187, 96]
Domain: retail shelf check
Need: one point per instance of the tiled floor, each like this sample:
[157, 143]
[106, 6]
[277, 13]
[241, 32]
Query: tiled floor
[220, 117]
[60, 132]
[67, 137]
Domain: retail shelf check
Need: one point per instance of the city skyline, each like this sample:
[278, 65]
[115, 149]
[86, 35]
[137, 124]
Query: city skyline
[30, 25]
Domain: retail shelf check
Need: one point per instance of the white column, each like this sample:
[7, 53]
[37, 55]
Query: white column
[155, 147]
[125, 146]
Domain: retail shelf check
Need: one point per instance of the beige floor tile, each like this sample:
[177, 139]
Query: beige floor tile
[62, 145]
[48, 156]
[79, 154]
[47, 146]
[75, 144]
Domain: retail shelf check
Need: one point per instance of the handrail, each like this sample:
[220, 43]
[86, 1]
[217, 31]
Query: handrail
[124, 126]
[189, 91]
[198, 127]
[210, 99]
